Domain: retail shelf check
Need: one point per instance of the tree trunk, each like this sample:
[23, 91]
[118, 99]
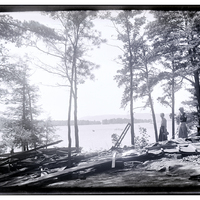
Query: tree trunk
[197, 90]
[132, 123]
[76, 127]
[173, 103]
[75, 112]
[131, 82]
[70, 103]
[69, 117]
[24, 102]
[24, 110]
[150, 99]
[153, 116]
[69, 128]
[131, 103]
[31, 117]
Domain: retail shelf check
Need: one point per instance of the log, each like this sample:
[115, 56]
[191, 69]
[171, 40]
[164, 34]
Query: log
[99, 166]
[6, 177]
[61, 151]
[54, 177]
[26, 153]
[143, 157]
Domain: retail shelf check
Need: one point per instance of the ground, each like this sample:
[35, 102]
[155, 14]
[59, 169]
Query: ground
[166, 175]
[171, 167]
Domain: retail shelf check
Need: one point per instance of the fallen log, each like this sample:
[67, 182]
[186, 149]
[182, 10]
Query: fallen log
[54, 177]
[34, 165]
[94, 162]
[60, 151]
[8, 176]
[143, 157]
[26, 153]
[99, 166]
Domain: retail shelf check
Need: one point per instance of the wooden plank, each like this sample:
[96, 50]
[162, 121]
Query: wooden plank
[101, 165]
[57, 175]
[143, 157]
[172, 151]
[188, 149]
[26, 153]
[6, 177]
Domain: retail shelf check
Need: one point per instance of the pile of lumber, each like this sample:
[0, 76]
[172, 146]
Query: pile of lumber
[19, 167]
[40, 167]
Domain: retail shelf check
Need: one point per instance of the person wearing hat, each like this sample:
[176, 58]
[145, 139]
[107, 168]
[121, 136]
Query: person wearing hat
[182, 128]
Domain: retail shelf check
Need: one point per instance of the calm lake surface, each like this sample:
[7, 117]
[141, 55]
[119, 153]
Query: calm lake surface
[98, 137]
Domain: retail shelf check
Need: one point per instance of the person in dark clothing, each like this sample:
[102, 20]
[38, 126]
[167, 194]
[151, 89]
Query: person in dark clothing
[182, 128]
[163, 128]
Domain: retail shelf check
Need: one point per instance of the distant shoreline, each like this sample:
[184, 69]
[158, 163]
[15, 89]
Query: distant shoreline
[103, 122]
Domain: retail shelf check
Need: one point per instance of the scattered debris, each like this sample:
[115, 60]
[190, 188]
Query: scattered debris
[40, 167]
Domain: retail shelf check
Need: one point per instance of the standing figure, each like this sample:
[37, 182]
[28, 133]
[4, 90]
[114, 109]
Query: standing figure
[182, 128]
[163, 128]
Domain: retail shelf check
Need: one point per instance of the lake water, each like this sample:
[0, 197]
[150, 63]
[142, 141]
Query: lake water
[98, 137]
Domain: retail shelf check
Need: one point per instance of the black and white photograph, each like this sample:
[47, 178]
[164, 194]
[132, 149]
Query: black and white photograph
[99, 99]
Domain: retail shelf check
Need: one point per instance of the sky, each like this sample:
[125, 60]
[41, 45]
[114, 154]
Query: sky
[99, 97]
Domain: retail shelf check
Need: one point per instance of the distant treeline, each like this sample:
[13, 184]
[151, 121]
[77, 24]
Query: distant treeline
[80, 122]
[124, 121]
[105, 121]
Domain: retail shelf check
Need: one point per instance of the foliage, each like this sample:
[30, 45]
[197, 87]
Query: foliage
[169, 59]
[180, 46]
[21, 129]
[11, 29]
[3, 147]
[166, 98]
[114, 138]
[47, 131]
[77, 36]
[128, 27]
[142, 140]
[15, 135]
[22, 97]
[12, 33]
[172, 39]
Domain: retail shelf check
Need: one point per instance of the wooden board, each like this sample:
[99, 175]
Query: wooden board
[187, 149]
[57, 175]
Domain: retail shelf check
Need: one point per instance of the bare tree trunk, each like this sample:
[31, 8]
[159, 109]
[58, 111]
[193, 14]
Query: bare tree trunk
[69, 128]
[173, 103]
[70, 104]
[31, 117]
[153, 116]
[197, 91]
[24, 102]
[150, 100]
[131, 82]
[24, 109]
[75, 111]
[131, 107]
